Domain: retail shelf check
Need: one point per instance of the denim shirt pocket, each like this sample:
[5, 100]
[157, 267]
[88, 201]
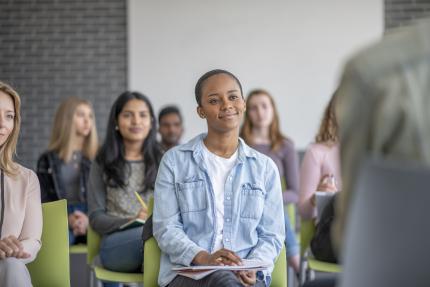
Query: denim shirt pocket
[252, 201]
[191, 196]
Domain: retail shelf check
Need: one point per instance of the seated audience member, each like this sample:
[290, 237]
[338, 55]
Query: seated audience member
[320, 170]
[217, 201]
[21, 210]
[170, 127]
[127, 162]
[64, 169]
[262, 132]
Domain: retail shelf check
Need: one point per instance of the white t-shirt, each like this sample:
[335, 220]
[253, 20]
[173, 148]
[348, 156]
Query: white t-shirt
[218, 169]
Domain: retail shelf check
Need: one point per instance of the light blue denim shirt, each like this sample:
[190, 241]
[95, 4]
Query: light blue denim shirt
[184, 208]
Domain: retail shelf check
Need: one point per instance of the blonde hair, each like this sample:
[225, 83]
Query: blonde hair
[8, 149]
[63, 131]
[275, 135]
[328, 129]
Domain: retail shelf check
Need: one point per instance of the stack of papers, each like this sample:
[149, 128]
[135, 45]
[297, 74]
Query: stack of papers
[200, 271]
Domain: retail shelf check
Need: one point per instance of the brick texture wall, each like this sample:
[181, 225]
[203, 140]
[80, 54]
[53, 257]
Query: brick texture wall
[53, 49]
[401, 12]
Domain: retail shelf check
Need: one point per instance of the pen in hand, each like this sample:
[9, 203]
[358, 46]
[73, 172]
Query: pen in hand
[144, 207]
[143, 213]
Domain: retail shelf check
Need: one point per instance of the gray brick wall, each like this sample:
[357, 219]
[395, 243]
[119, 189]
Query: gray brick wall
[52, 49]
[401, 12]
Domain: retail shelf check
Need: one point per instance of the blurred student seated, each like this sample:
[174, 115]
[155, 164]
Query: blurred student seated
[261, 131]
[319, 183]
[63, 170]
[170, 127]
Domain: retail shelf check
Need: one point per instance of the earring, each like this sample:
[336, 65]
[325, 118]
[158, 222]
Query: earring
[116, 128]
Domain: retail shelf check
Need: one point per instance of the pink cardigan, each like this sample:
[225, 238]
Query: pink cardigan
[319, 160]
[23, 210]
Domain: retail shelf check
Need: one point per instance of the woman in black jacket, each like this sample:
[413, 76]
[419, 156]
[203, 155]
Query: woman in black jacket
[63, 170]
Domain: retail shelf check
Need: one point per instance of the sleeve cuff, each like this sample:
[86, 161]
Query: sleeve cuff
[191, 253]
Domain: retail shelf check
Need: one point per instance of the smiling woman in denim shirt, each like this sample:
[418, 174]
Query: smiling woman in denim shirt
[217, 201]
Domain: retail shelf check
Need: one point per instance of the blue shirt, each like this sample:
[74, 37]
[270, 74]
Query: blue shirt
[184, 208]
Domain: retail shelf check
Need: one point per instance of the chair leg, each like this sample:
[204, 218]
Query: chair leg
[92, 277]
[94, 282]
[310, 274]
[291, 277]
[302, 277]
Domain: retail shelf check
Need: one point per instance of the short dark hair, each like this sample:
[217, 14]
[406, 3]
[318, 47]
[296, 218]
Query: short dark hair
[200, 82]
[167, 110]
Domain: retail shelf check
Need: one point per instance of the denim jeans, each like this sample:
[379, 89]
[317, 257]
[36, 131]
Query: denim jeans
[220, 278]
[291, 245]
[122, 251]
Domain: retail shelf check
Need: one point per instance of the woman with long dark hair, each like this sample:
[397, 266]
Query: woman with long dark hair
[126, 163]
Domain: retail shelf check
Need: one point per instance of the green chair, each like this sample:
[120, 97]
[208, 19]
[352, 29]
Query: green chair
[51, 267]
[279, 274]
[152, 254]
[151, 257]
[291, 211]
[79, 270]
[98, 272]
[78, 249]
[309, 264]
[290, 208]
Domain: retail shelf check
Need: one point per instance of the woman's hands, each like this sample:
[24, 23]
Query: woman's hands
[78, 221]
[327, 183]
[226, 257]
[11, 247]
[220, 257]
[143, 214]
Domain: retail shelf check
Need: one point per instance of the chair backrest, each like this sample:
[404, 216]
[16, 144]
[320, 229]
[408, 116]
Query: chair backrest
[93, 244]
[279, 274]
[51, 267]
[151, 257]
[388, 230]
[307, 231]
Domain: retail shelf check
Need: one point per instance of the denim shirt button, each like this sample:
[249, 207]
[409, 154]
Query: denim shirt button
[227, 239]
[228, 219]
[228, 197]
